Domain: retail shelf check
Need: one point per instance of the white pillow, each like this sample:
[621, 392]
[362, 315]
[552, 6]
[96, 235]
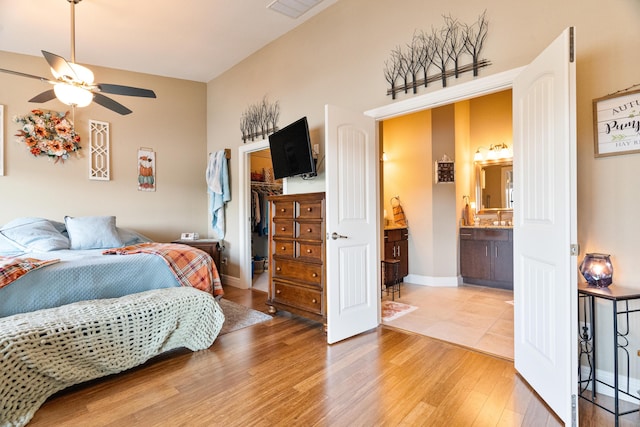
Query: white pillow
[34, 235]
[92, 232]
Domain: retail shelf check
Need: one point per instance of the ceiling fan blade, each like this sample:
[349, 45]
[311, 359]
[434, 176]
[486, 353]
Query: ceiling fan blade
[126, 90]
[31, 76]
[111, 104]
[59, 65]
[45, 96]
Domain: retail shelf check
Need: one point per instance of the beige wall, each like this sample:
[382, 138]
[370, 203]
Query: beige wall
[338, 57]
[174, 125]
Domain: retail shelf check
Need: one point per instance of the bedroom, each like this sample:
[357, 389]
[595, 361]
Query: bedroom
[200, 125]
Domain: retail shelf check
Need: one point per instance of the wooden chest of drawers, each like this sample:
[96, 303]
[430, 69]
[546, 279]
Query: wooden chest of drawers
[297, 255]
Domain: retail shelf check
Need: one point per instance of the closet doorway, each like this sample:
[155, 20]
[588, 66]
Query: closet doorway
[245, 167]
[262, 186]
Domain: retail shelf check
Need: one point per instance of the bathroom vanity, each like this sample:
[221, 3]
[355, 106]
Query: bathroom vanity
[486, 256]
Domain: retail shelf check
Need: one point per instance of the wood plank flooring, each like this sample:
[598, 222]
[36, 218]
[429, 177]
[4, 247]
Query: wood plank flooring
[282, 372]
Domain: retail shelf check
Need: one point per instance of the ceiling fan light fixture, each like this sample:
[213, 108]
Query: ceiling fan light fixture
[82, 74]
[72, 95]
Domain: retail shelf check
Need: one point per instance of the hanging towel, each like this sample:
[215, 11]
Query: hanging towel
[218, 188]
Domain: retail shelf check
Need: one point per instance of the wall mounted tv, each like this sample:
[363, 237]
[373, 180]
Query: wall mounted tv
[291, 152]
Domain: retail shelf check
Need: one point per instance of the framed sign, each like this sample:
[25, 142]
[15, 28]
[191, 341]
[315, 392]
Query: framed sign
[616, 124]
[445, 172]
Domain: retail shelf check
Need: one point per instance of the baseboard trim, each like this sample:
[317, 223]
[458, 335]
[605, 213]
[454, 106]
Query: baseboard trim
[445, 282]
[607, 377]
[232, 281]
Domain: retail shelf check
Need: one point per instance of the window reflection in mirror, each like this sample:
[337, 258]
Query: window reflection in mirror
[494, 186]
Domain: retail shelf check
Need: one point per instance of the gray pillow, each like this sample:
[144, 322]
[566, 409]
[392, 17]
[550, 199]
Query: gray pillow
[34, 235]
[92, 232]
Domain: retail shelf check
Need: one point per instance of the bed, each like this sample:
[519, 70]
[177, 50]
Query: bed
[71, 263]
[82, 299]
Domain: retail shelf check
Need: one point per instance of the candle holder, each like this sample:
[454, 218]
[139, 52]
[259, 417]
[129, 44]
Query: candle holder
[597, 269]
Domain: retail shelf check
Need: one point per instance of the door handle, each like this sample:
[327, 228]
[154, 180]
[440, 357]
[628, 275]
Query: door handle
[336, 236]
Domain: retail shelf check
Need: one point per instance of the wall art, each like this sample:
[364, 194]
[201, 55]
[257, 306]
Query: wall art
[146, 169]
[259, 120]
[441, 50]
[616, 123]
[99, 165]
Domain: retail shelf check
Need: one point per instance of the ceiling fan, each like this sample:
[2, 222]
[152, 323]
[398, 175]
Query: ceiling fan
[73, 84]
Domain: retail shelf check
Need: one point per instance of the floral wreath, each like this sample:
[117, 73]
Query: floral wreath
[48, 134]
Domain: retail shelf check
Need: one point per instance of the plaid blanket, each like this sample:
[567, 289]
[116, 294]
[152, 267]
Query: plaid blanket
[191, 266]
[11, 268]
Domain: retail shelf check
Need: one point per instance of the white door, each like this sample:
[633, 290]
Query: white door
[545, 273]
[352, 223]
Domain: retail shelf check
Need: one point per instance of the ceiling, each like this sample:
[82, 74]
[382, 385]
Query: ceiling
[194, 39]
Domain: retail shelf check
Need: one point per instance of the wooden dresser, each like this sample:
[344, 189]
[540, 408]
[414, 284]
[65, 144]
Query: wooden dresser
[297, 255]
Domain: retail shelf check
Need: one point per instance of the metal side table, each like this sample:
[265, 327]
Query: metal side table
[619, 299]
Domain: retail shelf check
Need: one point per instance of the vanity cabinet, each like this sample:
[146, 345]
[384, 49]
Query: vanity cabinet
[396, 246]
[297, 255]
[486, 256]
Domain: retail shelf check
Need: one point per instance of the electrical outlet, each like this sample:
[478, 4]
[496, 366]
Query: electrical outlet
[224, 261]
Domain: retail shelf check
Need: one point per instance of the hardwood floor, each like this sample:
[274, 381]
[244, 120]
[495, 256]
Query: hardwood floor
[282, 372]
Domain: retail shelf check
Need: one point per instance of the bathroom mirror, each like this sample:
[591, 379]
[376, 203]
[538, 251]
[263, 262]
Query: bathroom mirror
[494, 186]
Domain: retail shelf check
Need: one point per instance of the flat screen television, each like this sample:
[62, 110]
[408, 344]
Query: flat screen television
[291, 153]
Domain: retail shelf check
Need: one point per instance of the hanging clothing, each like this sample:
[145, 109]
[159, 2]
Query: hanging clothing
[218, 188]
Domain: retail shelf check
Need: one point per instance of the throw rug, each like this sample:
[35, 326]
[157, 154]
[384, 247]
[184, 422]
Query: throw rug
[391, 310]
[238, 316]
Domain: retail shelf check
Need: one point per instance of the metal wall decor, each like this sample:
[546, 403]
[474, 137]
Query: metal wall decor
[441, 49]
[99, 168]
[259, 120]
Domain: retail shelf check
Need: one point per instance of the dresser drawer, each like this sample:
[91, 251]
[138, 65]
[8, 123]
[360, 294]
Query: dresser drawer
[297, 296]
[310, 209]
[284, 209]
[283, 228]
[309, 230]
[283, 248]
[296, 270]
[310, 251]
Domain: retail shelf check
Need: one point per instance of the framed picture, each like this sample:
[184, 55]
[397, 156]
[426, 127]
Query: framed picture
[616, 124]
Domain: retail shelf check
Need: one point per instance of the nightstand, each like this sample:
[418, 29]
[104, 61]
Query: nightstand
[210, 246]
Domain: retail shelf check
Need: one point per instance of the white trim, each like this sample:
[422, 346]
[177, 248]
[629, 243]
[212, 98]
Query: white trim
[244, 186]
[472, 89]
[607, 377]
[444, 282]
[230, 281]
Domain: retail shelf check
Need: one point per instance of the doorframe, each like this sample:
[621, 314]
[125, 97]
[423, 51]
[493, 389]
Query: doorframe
[449, 95]
[244, 205]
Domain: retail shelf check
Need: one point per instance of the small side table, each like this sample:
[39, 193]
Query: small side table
[619, 298]
[210, 246]
[391, 277]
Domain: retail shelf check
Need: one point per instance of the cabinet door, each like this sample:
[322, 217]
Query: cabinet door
[502, 258]
[402, 254]
[474, 259]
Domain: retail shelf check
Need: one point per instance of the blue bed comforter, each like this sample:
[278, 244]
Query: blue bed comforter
[83, 275]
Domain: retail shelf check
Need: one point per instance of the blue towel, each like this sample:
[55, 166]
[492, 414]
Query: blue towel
[218, 189]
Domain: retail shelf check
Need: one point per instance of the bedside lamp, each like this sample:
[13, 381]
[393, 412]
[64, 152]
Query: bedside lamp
[597, 269]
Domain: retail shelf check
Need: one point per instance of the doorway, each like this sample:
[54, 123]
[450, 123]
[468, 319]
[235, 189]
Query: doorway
[474, 316]
[262, 186]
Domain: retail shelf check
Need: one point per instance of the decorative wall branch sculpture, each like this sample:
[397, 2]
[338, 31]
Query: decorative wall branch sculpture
[259, 120]
[440, 48]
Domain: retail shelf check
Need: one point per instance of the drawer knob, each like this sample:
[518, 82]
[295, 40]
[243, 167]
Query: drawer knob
[283, 228]
[283, 210]
[309, 209]
[278, 291]
[278, 269]
[308, 230]
[282, 248]
[315, 301]
[309, 251]
[314, 275]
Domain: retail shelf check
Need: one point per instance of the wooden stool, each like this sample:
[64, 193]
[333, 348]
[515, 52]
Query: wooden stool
[391, 277]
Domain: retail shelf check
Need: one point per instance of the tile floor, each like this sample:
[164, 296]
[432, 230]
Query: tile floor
[473, 316]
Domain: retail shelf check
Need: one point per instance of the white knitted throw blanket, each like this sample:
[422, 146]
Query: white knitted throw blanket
[45, 351]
